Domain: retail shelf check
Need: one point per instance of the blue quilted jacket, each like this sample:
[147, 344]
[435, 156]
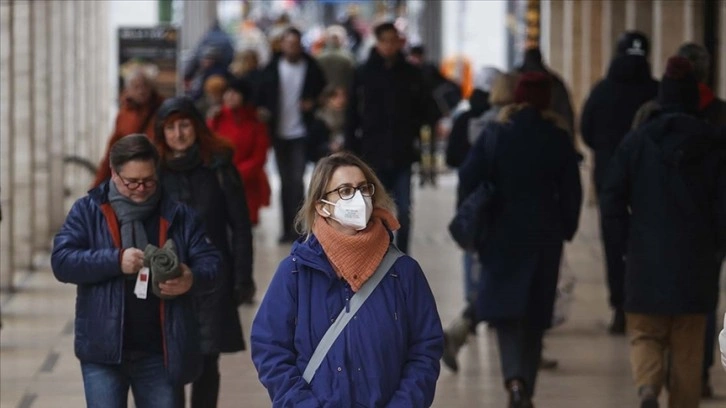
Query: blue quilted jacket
[387, 356]
[86, 253]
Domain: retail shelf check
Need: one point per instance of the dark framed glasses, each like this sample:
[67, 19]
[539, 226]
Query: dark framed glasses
[347, 192]
[134, 185]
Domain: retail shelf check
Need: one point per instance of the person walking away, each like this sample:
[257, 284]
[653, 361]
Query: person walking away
[247, 66]
[465, 133]
[444, 96]
[347, 222]
[336, 61]
[535, 208]
[292, 85]
[197, 169]
[560, 103]
[713, 110]
[127, 334]
[328, 128]
[139, 102]
[388, 105]
[606, 119]
[665, 196]
[237, 122]
[214, 43]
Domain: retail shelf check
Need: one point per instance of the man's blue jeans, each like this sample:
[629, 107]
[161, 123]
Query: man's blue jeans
[107, 385]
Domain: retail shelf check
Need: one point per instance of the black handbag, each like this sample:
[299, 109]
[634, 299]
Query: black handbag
[470, 223]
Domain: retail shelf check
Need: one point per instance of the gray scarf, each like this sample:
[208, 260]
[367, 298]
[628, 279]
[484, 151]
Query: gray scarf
[131, 216]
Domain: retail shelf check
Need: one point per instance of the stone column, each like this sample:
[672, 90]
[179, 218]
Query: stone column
[639, 16]
[721, 67]
[668, 33]
[614, 23]
[693, 21]
[7, 144]
[59, 108]
[554, 49]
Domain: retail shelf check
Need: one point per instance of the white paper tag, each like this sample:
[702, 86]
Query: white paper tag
[142, 283]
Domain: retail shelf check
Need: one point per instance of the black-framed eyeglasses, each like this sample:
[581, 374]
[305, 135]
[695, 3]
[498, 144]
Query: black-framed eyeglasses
[347, 192]
[134, 185]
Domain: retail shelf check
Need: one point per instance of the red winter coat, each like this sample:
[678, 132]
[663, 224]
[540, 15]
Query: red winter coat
[249, 137]
[131, 118]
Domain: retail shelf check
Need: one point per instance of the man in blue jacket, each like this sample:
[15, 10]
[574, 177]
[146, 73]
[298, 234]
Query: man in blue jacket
[125, 334]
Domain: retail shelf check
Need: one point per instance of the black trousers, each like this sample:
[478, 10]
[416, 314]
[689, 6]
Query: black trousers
[613, 244]
[291, 159]
[205, 390]
[520, 350]
[398, 183]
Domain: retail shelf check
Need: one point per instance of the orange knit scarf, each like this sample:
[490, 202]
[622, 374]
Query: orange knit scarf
[356, 257]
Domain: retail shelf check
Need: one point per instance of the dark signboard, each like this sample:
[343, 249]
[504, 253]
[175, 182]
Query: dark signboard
[152, 49]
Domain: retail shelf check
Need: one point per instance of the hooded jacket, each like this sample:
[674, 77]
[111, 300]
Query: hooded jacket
[86, 253]
[664, 197]
[388, 355]
[613, 102]
[216, 192]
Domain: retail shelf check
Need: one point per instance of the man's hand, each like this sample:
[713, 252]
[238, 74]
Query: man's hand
[132, 261]
[180, 285]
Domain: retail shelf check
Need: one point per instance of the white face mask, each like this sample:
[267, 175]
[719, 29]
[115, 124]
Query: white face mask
[353, 213]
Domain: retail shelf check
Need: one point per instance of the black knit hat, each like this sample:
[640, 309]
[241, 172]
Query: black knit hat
[633, 43]
[679, 87]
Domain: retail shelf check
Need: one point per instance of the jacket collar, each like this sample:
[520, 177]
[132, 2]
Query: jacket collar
[376, 60]
[168, 208]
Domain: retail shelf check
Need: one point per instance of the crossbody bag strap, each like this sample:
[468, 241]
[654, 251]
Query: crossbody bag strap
[344, 317]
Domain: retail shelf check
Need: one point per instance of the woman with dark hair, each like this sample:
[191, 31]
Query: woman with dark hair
[196, 169]
[237, 122]
[534, 209]
[345, 266]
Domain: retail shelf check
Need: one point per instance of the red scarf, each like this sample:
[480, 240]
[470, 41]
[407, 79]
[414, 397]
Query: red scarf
[355, 258]
[706, 96]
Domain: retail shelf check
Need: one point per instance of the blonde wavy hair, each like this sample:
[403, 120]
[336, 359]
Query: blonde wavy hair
[322, 174]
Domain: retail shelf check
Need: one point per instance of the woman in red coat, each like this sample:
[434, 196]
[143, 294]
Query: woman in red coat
[237, 121]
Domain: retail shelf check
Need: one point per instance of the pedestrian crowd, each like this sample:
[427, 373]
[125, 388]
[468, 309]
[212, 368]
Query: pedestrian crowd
[349, 318]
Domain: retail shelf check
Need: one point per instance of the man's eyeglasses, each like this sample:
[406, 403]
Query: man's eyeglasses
[348, 192]
[134, 185]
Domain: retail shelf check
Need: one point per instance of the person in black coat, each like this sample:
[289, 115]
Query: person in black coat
[388, 104]
[713, 110]
[292, 83]
[197, 169]
[665, 198]
[535, 208]
[606, 119]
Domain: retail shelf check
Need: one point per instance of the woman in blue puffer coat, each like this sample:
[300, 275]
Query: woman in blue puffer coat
[388, 354]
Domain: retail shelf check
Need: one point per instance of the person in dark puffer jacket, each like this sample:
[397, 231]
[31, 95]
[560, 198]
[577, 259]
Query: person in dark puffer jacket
[535, 208]
[606, 119]
[125, 336]
[664, 197]
[197, 169]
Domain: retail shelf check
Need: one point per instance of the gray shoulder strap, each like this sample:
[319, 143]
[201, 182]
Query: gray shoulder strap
[356, 301]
